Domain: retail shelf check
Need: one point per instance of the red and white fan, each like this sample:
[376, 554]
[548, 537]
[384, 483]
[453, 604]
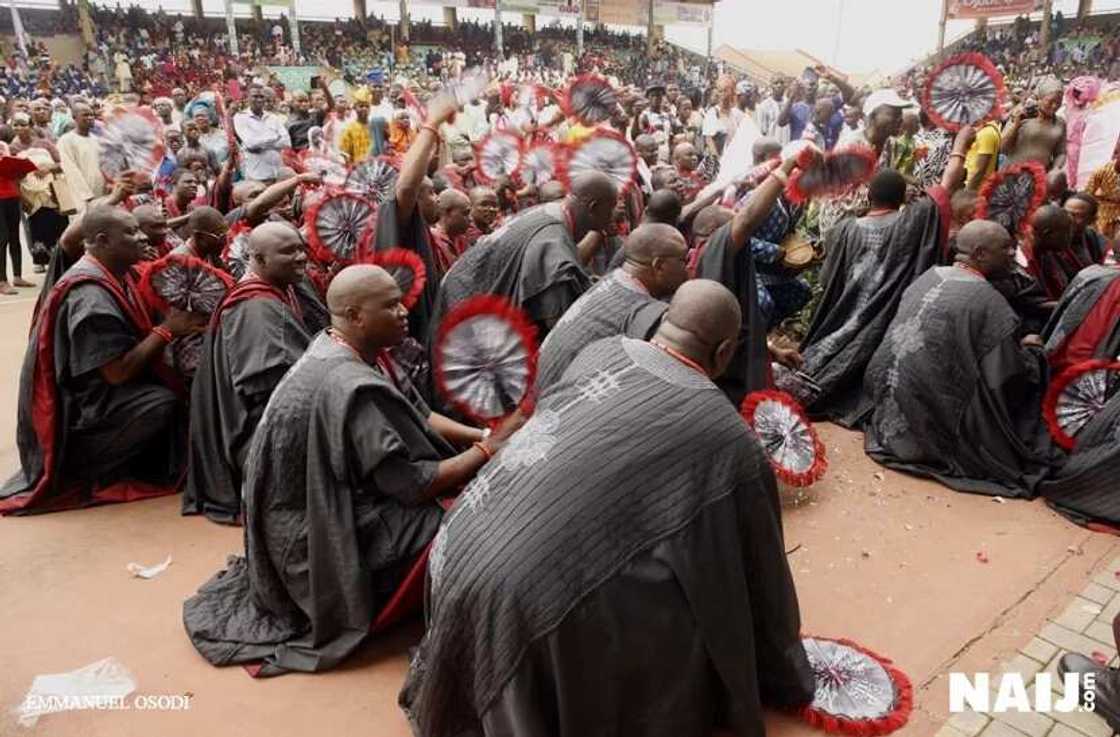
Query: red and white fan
[540, 163]
[590, 99]
[131, 139]
[604, 151]
[795, 450]
[184, 282]
[332, 171]
[1075, 397]
[338, 228]
[469, 86]
[858, 692]
[373, 179]
[498, 155]
[485, 358]
[407, 269]
[1011, 195]
[965, 89]
[836, 173]
[236, 251]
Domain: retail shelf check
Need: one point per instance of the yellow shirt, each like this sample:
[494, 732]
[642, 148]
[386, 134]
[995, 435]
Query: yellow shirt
[355, 141]
[987, 142]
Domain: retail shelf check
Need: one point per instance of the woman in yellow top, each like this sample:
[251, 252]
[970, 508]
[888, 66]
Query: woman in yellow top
[355, 143]
[1105, 186]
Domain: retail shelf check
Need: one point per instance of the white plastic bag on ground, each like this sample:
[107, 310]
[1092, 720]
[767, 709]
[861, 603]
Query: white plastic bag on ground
[140, 571]
[100, 685]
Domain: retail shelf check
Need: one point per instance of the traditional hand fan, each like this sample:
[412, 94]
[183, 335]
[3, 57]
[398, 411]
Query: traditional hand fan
[838, 172]
[470, 86]
[795, 450]
[498, 155]
[130, 140]
[540, 163]
[184, 283]
[604, 151]
[338, 228]
[1011, 195]
[485, 358]
[236, 251]
[590, 100]
[373, 179]
[407, 269]
[332, 171]
[1076, 395]
[965, 89]
[858, 692]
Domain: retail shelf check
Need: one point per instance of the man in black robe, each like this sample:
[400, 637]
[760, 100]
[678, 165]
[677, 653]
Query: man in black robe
[340, 490]
[628, 301]
[255, 336]
[99, 416]
[534, 259]
[651, 558]
[869, 263]
[726, 256]
[1086, 323]
[951, 393]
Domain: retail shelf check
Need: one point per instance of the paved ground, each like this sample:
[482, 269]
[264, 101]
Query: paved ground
[887, 560]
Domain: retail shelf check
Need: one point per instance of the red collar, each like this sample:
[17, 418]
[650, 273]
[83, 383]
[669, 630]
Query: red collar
[681, 357]
[966, 267]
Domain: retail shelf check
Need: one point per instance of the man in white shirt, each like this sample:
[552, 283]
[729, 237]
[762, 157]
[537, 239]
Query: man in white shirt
[263, 136]
[768, 111]
[80, 156]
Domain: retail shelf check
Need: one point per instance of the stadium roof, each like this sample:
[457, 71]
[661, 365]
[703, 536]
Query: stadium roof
[764, 65]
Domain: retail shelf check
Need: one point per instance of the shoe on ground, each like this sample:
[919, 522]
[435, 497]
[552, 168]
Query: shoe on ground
[1107, 689]
[21, 282]
[6, 288]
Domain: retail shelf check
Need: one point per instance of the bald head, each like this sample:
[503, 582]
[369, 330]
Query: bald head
[1053, 228]
[664, 207]
[353, 285]
[452, 198]
[267, 237]
[148, 215]
[594, 185]
[703, 322]
[710, 219]
[653, 240]
[247, 191]
[205, 219]
[986, 246]
[593, 198]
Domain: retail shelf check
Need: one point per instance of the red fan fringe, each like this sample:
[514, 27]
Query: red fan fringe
[319, 250]
[994, 180]
[157, 301]
[235, 230]
[797, 193]
[890, 722]
[481, 146]
[558, 151]
[486, 304]
[1058, 385]
[820, 462]
[398, 257]
[972, 58]
[563, 168]
[566, 97]
[414, 104]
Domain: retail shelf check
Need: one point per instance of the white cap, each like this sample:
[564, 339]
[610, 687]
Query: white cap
[879, 98]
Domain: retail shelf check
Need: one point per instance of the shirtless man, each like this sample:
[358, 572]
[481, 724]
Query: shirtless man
[1041, 138]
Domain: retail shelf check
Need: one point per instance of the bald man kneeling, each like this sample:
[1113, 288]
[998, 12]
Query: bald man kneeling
[256, 334]
[627, 301]
[340, 489]
[630, 532]
[950, 393]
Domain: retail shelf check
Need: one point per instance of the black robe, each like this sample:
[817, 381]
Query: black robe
[411, 235]
[254, 338]
[1084, 486]
[869, 263]
[81, 440]
[531, 260]
[950, 394]
[735, 269]
[1086, 322]
[597, 582]
[618, 305]
[334, 514]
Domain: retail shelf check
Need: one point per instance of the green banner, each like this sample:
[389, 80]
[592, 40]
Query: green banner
[295, 78]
